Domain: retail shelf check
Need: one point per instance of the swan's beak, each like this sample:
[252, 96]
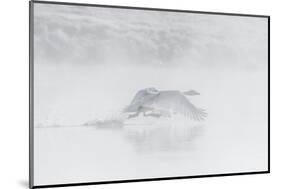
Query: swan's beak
[152, 91]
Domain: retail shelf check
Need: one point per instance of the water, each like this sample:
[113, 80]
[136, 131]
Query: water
[136, 151]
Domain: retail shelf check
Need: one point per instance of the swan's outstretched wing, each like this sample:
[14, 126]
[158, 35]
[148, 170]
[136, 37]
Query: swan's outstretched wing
[176, 102]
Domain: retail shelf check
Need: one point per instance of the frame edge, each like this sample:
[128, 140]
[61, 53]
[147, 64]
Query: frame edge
[31, 95]
[31, 112]
[150, 9]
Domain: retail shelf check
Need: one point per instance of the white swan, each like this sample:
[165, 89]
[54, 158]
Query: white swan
[152, 102]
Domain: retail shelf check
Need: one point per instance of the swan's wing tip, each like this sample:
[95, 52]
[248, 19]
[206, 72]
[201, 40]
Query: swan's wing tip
[197, 114]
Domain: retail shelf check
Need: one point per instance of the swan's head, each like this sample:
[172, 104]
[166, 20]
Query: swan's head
[191, 93]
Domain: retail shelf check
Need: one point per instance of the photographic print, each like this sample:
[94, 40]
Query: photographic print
[130, 94]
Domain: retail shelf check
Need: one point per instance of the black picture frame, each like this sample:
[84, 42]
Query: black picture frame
[31, 95]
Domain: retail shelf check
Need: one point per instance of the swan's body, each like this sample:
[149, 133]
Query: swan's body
[152, 102]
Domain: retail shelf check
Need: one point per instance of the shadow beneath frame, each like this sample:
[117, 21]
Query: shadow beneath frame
[24, 183]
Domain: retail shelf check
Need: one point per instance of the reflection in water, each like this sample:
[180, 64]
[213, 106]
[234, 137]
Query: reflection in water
[153, 138]
[154, 135]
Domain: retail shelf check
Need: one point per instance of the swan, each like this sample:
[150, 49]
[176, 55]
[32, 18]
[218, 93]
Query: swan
[157, 103]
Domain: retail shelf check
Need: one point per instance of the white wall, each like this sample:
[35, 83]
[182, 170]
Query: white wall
[14, 95]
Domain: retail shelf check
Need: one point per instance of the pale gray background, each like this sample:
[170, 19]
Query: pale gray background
[89, 62]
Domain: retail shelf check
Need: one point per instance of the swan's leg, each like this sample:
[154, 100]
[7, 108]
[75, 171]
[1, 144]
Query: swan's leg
[134, 115]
